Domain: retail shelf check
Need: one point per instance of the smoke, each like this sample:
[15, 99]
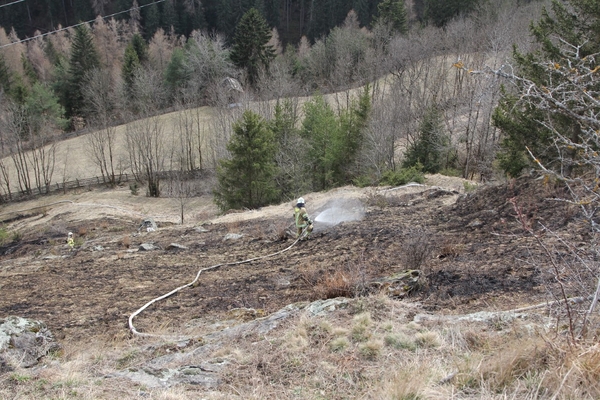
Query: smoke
[338, 211]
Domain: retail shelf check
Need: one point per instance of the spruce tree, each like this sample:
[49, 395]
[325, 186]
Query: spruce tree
[353, 122]
[168, 17]
[431, 149]
[575, 24]
[321, 130]
[246, 179]
[393, 13]
[440, 12]
[131, 63]
[5, 75]
[84, 58]
[141, 48]
[175, 73]
[151, 20]
[250, 45]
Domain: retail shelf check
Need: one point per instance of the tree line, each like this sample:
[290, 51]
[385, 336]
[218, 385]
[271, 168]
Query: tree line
[106, 73]
[292, 18]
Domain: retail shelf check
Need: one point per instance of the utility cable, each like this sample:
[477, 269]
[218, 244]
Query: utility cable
[76, 25]
[172, 292]
[10, 4]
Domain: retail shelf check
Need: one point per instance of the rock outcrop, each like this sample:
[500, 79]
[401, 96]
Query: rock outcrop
[23, 342]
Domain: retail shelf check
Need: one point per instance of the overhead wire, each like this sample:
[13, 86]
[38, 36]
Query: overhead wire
[76, 25]
[10, 4]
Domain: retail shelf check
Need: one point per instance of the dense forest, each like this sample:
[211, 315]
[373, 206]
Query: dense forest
[292, 18]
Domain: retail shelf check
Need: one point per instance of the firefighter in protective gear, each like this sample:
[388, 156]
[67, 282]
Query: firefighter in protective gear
[303, 222]
[70, 241]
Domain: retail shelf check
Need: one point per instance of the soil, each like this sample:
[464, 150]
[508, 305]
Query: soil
[471, 249]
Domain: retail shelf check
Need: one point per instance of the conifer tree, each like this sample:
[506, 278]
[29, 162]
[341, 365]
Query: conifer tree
[393, 13]
[168, 17]
[151, 20]
[320, 129]
[250, 44]
[131, 63]
[431, 148]
[566, 38]
[5, 76]
[246, 179]
[141, 48]
[175, 73]
[84, 58]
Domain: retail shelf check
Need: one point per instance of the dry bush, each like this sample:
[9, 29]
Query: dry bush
[126, 241]
[450, 248]
[370, 350]
[571, 371]
[428, 339]
[336, 284]
[233, 227]
[416, 249]
[278, 230]
[400, 341]
[310, 274]
[103, 224]
[339, 344]
[361, 328]
[585, 362]
[349, 281]
[82, 231]
[376, 198]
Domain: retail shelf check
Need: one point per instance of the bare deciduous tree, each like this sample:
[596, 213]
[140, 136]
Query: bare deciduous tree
[101, 100]
[146, 139]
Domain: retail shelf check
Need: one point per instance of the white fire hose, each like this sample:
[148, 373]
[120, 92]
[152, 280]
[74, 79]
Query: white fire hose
[172, 292]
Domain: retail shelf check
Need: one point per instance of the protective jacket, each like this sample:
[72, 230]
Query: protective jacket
[303, 222]
[301, 217]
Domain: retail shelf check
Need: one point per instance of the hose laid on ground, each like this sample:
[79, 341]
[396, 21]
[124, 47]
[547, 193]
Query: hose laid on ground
[172, 292]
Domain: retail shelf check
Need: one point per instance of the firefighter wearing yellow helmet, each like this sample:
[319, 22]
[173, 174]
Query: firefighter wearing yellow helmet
[303, 222]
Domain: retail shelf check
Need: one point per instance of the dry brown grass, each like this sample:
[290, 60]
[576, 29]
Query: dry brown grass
[376, 353]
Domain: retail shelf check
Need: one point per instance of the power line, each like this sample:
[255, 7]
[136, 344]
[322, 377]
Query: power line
[76, 25]
[10, 4]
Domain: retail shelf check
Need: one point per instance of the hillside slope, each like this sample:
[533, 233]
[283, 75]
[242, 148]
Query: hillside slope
[469, 248]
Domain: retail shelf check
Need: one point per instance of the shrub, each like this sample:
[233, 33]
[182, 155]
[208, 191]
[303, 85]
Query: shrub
[403, 176]
[134, 188]
[347, 282]
[400, 341]
[427, 339]
[362, 181]
[469, 187]
[360, 331]
[370, 350]
[339, 344]
[416, 249]
[126, 241]
[4, 235]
